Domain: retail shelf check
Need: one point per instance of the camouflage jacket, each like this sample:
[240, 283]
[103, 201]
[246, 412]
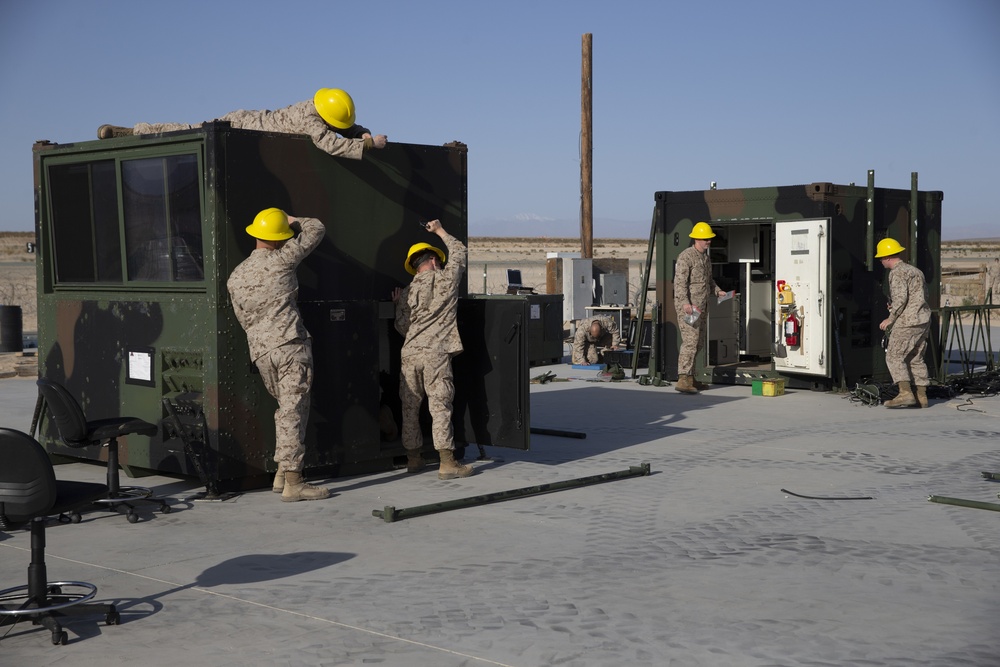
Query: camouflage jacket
[264, 290]
[907, 303]
[582, 340]
[302, 118]
[427, 308]
[693, 282]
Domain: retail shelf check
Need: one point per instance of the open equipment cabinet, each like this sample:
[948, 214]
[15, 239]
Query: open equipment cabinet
[137, 237]
[809, 293]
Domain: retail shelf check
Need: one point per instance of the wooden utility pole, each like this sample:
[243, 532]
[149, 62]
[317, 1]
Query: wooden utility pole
[586, 153]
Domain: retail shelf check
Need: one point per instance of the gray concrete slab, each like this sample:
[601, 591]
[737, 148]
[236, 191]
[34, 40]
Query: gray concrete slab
[705, 562]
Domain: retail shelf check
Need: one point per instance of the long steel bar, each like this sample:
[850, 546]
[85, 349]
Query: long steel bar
[914, 219]
[391, 514]
[559, 433]
[870, 232]
[964, 503]
[641, 314]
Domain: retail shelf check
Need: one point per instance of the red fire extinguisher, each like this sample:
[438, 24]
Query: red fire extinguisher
[791, 330]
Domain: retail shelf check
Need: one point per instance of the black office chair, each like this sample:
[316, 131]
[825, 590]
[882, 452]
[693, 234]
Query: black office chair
[29, 492]
[76, 431]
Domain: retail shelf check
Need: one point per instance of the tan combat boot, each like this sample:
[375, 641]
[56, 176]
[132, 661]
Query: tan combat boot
[700, 386]
[450, 468]
[905, 399]
[685, 384]
[279, 480]
[922, 396]
[296, 489]
[111, 131]
[414, 462]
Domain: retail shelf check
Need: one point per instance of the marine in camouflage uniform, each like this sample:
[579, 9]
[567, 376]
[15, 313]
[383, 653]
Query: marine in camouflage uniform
[300, 118]
[426, 317]
[263, 290]
[586, 345]
[693, 284]
[909, 319]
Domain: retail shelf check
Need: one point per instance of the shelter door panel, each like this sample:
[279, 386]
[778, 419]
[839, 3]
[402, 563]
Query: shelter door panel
[343, 424]
[491, 374]
[801, 320]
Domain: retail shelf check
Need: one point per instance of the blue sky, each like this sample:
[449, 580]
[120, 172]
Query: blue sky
[747, 94]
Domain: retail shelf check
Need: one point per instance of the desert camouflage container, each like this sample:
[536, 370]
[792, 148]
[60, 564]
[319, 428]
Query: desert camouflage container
[137, 237]
[819, 240]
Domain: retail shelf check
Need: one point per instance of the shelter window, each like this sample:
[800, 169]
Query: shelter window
[162, 204]
[86, 239]
[118, 221]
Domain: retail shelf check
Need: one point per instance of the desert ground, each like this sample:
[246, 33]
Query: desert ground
[963, 266]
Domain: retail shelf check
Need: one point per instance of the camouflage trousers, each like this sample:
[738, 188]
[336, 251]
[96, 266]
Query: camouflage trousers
[155, 128]
[904, 355]
[692, 340]
[427, 375]
[287, 372]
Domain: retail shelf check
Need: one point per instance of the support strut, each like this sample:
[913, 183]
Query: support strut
[391, 514]
[975, 504]
[559, 433]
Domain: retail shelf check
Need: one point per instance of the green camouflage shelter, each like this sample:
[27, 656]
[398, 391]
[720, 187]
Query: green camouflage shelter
[137, 237]
[818, 240]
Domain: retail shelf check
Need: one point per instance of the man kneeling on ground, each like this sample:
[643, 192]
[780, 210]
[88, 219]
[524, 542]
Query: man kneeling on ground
[592, 335]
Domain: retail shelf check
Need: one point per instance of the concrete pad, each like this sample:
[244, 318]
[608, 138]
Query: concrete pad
[707, 561]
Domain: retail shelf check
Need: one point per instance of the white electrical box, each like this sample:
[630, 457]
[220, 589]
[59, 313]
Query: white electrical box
[578, 287]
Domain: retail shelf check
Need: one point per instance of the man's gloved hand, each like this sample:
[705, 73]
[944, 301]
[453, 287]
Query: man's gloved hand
[378, 141]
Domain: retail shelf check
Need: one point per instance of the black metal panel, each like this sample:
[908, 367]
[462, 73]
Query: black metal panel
[491, 385]
[343, 424]
[544, 328]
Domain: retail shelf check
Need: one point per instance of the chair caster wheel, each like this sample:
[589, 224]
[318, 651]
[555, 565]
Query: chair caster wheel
[132, 517]
[113, 618]
[60, 638]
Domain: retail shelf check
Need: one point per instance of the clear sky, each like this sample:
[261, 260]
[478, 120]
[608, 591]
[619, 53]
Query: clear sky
[744, 93]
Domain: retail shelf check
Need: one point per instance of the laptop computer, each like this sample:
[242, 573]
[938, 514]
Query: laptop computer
[514, 279]
[514, 284]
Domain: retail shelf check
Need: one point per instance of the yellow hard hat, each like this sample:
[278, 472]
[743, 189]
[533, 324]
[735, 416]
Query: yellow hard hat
[335, 106]
[888, 246]
[702, 230]
[271, 224]
[417, 248]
